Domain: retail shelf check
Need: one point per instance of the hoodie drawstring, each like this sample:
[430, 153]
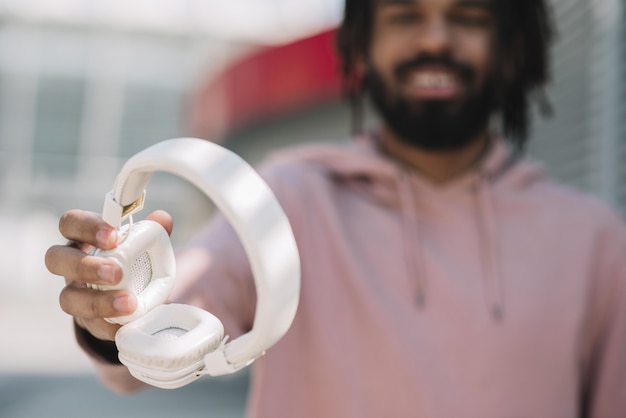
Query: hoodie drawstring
[494, 291]
[490, 258]
[413, 252]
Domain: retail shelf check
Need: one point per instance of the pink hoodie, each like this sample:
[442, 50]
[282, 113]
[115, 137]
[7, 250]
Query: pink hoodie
[498, 295]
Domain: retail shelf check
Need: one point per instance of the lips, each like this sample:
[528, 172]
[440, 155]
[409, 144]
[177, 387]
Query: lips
[433, 84]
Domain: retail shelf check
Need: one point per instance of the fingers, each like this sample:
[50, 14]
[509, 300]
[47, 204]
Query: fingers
[89, 308]
[164, 218]
[86, 229]
[99, 328]
[89, 228]
[82, 302]
[75, 265]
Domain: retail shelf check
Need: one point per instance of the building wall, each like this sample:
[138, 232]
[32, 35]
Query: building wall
[75, 103]
[582, 143]
[621, 155]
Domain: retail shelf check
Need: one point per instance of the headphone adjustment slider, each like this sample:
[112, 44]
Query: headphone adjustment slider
[216, 363]
[114, 213]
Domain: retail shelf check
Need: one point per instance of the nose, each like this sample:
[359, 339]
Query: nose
[434, 38]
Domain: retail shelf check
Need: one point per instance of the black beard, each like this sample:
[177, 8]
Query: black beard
[433, 125]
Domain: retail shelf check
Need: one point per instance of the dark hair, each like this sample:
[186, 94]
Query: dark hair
[525, 33]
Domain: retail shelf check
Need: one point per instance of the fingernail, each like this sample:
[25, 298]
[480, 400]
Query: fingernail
[106, 273]
[106, 237]
[121, 304]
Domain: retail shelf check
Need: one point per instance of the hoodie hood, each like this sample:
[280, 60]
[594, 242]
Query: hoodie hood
[391, 183]
[362, 159]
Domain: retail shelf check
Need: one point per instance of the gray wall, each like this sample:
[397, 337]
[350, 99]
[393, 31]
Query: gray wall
[583, 143]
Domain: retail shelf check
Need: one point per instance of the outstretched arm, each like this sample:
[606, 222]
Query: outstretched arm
[87, 306]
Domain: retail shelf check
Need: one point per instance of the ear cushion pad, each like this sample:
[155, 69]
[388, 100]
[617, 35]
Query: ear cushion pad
[170, 339]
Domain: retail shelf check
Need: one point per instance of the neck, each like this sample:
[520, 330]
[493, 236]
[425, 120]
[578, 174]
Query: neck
[437, 166]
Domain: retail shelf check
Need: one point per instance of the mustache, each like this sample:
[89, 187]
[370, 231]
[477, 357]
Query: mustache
[464, 72]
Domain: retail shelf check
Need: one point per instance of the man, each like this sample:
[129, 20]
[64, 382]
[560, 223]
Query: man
[443, 274]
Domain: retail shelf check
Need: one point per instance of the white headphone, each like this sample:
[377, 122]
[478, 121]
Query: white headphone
[170, 345]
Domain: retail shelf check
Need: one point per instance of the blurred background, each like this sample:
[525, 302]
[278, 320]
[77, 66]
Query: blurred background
[84, 84]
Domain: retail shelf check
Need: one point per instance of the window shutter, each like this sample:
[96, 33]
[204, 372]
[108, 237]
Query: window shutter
[621, 183]
[583, 143]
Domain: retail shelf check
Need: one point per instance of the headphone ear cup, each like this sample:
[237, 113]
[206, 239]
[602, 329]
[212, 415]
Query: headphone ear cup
[148, 264]
[169, 342]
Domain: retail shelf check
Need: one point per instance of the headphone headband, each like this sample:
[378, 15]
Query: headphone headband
[249, 205]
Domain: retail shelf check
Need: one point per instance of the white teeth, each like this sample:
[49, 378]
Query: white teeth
[433, 80]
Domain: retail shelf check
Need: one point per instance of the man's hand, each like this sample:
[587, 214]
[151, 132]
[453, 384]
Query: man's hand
[89, 307]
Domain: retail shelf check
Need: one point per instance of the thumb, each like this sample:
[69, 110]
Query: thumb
[164, 218]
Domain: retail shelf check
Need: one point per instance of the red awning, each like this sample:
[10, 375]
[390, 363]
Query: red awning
[268, 83]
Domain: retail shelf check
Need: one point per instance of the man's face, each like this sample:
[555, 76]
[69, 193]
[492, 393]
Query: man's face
[429, 69]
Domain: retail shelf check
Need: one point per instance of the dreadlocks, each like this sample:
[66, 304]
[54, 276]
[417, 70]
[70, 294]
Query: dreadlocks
[525, 32]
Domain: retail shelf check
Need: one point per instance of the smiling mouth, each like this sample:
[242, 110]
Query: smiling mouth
[433, 84]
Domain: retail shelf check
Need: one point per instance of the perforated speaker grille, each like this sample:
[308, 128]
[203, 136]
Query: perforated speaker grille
[141, 273]
[170, 333]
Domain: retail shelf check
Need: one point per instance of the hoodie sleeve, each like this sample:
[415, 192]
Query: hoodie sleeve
[605, 376]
